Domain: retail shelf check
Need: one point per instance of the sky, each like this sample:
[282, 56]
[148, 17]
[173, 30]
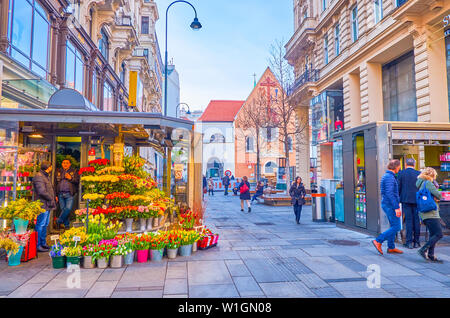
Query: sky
[218, 61]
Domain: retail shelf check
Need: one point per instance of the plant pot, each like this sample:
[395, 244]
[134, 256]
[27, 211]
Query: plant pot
[186, 250]
[155, 222]
[142, 256]
[21, 226]
[14, 259]
[149, 224]
[172, 253]
[156, 255]
[116, 261]
[129, 258]
[59, 262]
[194, 247]
[73, 260]
[129, 223]
[87, 262]
[102, 262]
[143, 223]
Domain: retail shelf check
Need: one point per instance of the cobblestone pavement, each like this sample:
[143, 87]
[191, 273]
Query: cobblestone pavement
[260, 254]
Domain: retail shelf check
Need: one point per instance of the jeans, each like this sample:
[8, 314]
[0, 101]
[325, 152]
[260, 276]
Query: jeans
[412, 223]
[210, 191]
[256, 195]
[65, 203]
[226, 190]
[297, 211]
[42, 222]
[394, 221]
[435, 229]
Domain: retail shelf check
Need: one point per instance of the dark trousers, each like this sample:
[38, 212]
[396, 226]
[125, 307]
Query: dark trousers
[235, 191]
[256, 195]
[226, 189]
[211, 192]
[412, 223]
[435, 229]
[298, 211]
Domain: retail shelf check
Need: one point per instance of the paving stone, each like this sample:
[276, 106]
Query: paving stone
[286, 289]
[26, 290]
[247, 286]
[138, 294]
[434, 275]
[311, 280]
[417, 282]
[267, 270]
[112, 274]
[175, 286]
[359, 289]
[212, 272]
[388, 267]
[327, 292]
[328, 268]
[213, 291]
[237, 268]
[175, 296]
[102, 289]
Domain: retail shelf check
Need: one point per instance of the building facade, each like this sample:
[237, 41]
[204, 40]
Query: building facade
[374, 77]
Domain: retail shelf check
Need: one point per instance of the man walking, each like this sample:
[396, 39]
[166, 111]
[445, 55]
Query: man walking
[66, 188]
[407, 187]
[390, 203]
[226, 184]
[44, 191]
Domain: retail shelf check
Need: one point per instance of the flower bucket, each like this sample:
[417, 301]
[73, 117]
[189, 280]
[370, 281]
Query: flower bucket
[129, 258]
[87, 262]
[186, 250]
[172, 253]
[142, 256]
[21, 226]
[143, 223]
[129, 223]
[194, 247]
[149, 224]
[116, 261]
[155, 222]
[73, 260]
[14, 259]
[156, 255]
[102, 262]
[59, 262]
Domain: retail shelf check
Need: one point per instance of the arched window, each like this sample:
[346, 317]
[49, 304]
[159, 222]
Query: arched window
[103, 45]
[249, 144]
[217, 138]
[122, 73]
[270, 167]
[29, 35]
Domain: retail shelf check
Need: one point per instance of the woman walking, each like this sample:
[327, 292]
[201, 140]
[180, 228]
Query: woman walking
[244, 189]
[210, 186]
[431, 219]
[297, 193]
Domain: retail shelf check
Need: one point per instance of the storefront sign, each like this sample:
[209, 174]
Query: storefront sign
[91, 152]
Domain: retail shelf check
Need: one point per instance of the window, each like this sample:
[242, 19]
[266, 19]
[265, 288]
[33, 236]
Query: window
[108, 97]
[325, 49]
[399, 89]
[249, 144]
[122, 72]
[144, 25]
[324, 5]
[401, 2]
[378, 10]
[269, 134]
[270, 167]
[305, 14]
[354, 23]
[217, 138]
[29, 35]
[94, 88]
[103, 45]
[74, 68]
[336, 40]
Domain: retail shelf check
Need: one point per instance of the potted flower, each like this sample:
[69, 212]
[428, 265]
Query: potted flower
[21, 240]
[127, 241]
[22, 212]
[117, 256]
[67, 238]
[129, 214]
[158, 242]
[13, 250]
[173, 243]
[141, 246]
[72, 254]
[88, 253]
[58, 259]
[102, 254]
[187, 239]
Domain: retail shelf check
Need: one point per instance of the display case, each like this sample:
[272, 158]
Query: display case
[360, 181]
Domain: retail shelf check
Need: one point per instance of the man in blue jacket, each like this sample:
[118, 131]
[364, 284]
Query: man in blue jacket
[407, 187]
[390, 203]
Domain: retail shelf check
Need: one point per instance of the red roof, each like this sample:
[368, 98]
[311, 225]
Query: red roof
[221, 110]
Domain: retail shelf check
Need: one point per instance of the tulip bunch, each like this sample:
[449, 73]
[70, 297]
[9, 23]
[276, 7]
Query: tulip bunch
[189, 237]
[173, 239]
[98, 163]
[111, 170]
[86, 171]
[187, 219]
[158, 241]
[118, 199]
[142, 242]
[72, 251]
[103, 251]
[66, 238]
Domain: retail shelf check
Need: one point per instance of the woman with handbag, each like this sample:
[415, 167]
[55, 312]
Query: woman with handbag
[297, 193]
[244, 189]
[429, 212]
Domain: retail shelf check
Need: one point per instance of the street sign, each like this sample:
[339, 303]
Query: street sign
[228, 173]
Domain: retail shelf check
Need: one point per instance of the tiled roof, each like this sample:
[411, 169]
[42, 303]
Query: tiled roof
[221, 110]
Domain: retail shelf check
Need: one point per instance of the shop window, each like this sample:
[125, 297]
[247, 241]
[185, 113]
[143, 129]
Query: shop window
[360, 180]
[249, 144]
[378, 10]
[399, 89]
[108, 97]
[29, 35]
[103, 45]
[74, 68]
[354, 23]
[144, 25]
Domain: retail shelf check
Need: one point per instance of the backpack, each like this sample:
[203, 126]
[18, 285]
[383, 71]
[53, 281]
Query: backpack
[425, 200]
[244, 188]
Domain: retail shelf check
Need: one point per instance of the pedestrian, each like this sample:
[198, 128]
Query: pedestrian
[44, 191]
[226, 184]
[210, 186]
[236, 184]
[431, 219]
[297, 193]
[244, 189]
[205, 185]
[66, 187]
[407, 179]
[259, 191]
[390, 203]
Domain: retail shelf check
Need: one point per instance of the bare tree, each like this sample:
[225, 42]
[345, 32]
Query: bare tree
[284, 116]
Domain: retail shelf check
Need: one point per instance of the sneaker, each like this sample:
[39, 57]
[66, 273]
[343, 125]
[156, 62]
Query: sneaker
[242, 210]
[377, 246]
[42, 249]
[249, 210]
[423, 252]
[394, 251]
[434, 259]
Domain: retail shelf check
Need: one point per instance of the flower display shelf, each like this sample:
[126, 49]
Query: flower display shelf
[208, 241]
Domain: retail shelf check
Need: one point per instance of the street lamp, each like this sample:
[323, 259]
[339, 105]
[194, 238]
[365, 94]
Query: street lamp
[195, 25]
[176, 109]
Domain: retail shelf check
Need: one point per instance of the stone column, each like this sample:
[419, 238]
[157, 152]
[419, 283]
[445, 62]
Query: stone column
[4, 43]
[54, 54]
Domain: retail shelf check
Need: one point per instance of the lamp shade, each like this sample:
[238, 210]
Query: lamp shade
[196, 25]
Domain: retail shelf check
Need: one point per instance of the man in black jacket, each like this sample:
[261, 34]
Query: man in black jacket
[407, 187]
[226, 184]
[44, 192]
[66, 188]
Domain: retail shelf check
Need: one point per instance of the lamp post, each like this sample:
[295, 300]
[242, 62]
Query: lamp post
[195, 25]
[176, 109]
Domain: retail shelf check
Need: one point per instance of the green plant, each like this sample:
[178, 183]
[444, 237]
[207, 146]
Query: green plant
[22, 209]
[72, 251]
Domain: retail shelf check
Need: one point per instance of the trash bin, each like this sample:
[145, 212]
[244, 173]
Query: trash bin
[333, 208]
[318, 207]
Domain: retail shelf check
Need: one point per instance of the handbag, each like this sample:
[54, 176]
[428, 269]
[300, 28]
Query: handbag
[244, 188]
[425, 200]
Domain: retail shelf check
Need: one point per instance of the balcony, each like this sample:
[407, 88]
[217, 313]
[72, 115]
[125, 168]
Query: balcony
[124, 20]
[309, 76]
[411, 9]
[302, 38]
